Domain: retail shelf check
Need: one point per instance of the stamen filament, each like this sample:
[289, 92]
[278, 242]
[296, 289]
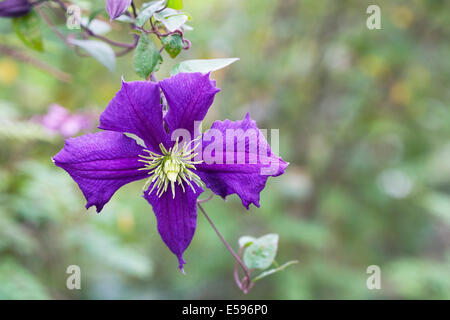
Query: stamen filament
[172, 165]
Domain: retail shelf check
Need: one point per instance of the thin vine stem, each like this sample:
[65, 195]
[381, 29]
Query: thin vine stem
[247, 283]
[133, 7]
[247, 279]
[94, 35]
[51, 25]
[127, 46]
[207, 199]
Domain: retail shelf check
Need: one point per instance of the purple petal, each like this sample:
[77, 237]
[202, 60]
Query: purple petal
[136, 109]
[176, 218]
[101, 163]
[249, 169]
[189, 96]
[116, 8]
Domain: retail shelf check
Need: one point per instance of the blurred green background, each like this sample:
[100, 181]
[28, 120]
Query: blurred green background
[364, 122]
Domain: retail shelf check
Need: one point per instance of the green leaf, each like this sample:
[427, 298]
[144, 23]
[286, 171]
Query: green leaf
[99, 50]
[175, 4]
[101, 246]
[95, 13]
[138, 140]
[202, 65]
[125, 18]
[28, 30]
[147, 11]
[173, 44]
[187, 27]
[275, 270]
[19, 283]
[245, 241]
[175, 22]
[261, 253]
[146, 57]
[171, 19]
[438, 204]
[97, 26]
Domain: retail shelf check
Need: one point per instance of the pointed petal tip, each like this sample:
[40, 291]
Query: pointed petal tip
[123, 82]
[248, 181]
[248, 204]
[181, 264]
[98, 208]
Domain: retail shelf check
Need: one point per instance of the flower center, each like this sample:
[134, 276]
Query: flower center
[171, 166]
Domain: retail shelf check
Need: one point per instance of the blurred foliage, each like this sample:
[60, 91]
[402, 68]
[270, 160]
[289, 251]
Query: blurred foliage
[363, 118]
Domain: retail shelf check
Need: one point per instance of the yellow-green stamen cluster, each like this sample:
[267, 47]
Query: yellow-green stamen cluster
[173, 165]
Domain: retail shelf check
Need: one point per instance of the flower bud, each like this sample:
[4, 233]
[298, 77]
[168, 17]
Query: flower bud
[116, 8]
[14, 8]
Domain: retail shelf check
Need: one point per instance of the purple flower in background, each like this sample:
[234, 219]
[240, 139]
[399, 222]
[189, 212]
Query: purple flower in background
[103, 162]
[59, 120]
[116, 8]
[14, 8]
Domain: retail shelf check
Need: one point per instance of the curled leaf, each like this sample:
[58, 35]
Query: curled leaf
[173, 44]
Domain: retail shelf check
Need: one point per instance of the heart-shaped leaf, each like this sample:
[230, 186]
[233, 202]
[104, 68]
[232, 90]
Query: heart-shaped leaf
[146, 57]
[261, 253]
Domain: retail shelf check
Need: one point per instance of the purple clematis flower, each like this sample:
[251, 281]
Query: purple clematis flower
[14, 8]
[224, 158]
[116, 8]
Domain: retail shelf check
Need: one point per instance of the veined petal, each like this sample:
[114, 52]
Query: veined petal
[101, 163]
[176, 218]
[136, 109]
[242, 168]
[116, 8]
[189, 96]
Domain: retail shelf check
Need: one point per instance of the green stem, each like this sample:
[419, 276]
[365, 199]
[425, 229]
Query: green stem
[233, 253]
